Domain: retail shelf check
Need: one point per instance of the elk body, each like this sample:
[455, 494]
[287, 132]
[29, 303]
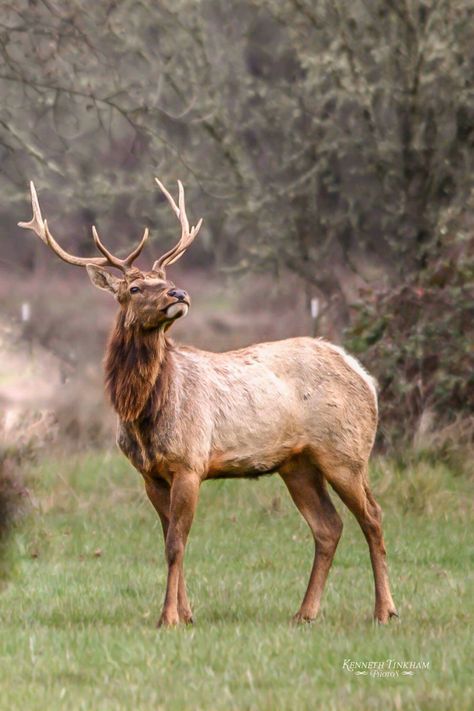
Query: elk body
[300, 407]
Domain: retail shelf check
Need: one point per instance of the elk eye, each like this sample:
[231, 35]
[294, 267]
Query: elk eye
[134, 290]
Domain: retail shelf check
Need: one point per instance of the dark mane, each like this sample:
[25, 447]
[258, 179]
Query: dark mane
[137, 367]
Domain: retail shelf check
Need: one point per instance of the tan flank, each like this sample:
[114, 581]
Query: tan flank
[301, 407]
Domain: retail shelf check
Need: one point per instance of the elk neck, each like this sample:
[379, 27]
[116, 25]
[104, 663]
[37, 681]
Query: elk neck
[137, 370]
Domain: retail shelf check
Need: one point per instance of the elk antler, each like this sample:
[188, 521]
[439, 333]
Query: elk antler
[40, 228]
[187, 234]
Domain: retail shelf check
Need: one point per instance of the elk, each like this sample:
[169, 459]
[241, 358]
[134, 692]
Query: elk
[301, 407]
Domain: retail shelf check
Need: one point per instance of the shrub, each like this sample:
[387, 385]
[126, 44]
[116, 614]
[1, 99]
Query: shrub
[416, 339]
[22, 434]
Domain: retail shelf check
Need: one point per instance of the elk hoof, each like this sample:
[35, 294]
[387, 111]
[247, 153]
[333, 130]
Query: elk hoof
[168, 621]
[187, 618]
[302, 619]
[382, 618]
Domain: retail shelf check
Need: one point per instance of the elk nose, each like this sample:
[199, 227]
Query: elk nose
[179, 294]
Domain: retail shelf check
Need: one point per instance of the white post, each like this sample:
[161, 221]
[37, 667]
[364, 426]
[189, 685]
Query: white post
[26, 311]
[314, 310]
[26, 319]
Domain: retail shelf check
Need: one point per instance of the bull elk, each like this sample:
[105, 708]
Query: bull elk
[301, 407]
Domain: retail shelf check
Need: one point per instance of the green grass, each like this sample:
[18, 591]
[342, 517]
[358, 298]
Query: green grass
[78, 614]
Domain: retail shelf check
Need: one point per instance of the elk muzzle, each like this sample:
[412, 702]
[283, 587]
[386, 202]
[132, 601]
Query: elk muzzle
[178, 308]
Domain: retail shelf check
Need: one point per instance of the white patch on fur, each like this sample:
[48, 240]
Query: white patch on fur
[176, 310]
[359, 369]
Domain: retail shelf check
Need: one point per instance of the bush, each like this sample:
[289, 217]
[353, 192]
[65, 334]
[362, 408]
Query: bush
[22, 434]
[416, 339]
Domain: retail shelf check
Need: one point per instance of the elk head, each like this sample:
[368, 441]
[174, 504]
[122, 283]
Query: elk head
[148, 299]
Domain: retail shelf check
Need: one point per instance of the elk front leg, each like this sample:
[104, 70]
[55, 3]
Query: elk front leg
[183, 501]
[158, 492]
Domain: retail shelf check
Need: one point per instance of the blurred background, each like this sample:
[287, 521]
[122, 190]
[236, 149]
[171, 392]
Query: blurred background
[329, 148]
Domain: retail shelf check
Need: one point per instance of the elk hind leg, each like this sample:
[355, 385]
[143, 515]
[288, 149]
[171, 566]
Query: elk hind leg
[352, 486]
[309, 493]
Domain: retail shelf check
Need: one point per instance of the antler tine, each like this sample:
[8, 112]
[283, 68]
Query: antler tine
[168, 196]
[123, 264]
[137, 251]
[187, 234]
[113, 261]
[40, 228]
[36, 223]
[183, 218]
[192, 235]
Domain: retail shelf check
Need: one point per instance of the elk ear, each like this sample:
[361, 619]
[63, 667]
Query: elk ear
[102, 279]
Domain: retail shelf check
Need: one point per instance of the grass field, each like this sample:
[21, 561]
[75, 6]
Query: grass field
[78, 613]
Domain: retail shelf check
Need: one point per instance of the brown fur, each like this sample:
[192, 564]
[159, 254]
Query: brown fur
[302, 407]
[136, 367]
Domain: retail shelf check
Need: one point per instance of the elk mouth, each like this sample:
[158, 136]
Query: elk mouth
[177, 309]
